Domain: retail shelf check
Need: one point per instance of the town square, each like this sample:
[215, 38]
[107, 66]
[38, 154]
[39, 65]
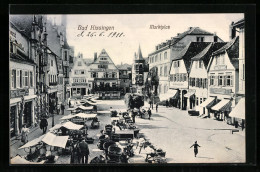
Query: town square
[112, 89]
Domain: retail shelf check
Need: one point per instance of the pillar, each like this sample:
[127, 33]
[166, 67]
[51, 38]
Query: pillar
[188, 103]
[16, 127]
[33, 113]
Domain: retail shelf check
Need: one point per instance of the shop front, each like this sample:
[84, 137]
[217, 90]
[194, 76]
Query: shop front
[238, 114]
[189, 99]
[222, 109]
[204, 108]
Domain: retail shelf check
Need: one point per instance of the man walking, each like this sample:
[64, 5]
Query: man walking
[149, 113]
[167, 103]
[195, 145]
[84, 151]
[156, 107]
[43, 124]
[62, 109]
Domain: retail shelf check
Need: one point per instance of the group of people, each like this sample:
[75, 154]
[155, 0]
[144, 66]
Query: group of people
[80, 152]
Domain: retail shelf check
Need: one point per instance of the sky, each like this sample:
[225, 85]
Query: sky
[136, 31]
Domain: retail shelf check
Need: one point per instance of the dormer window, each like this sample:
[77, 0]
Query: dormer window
[200, 39]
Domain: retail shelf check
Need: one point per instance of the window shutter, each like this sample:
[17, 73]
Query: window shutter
[231, 80]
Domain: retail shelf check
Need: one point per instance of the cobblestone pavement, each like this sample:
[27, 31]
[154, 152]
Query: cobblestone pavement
[174, 131]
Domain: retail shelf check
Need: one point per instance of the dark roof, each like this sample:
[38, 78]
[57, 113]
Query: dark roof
[123, 66]
[232, 49]
[207, 52]
[239, 23]
[191, 31]
[191, 50]
[66, 45]
[23, 23]
[21, 58]
[88, 61]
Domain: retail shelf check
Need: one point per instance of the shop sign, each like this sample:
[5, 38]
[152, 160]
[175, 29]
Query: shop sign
[19, 92]
[79, 84]
[220, 91]
[178, 84]
[220, 67]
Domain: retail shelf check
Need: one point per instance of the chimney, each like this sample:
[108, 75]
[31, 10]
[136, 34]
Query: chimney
[232, 31]
[215, 37]
[190, 28]
[178, 34]
[95, 56]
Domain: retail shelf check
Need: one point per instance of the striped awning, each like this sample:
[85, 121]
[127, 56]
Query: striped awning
[171, 93]
[207, 103]
[222, 106]
[239, 110]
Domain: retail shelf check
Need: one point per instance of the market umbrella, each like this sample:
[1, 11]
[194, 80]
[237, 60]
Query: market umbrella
[32, 142]
[20, 160]
[53, 140]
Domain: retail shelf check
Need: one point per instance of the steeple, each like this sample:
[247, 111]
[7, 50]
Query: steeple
[139, 54]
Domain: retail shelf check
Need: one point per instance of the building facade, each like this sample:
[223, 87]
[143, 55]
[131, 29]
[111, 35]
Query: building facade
[179, 74]
[198, 77]
[140, 71]
[223, 78]
[22, 82]
[104, 77]
[165, 52]
[125, 78]
[78, 79]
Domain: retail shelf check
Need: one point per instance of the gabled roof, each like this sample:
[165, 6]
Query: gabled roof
[207, 52]
[232, 50]
[191, 50]
[104, 54]
[23, 23]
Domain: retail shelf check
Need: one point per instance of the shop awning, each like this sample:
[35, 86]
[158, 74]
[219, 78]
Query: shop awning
[85, 115]
[67, 117]
[32, 142]
[53, 140]
[207, 103]
[85, 108]
[71, 109]
[30, 97]
[188, 94]
[239, 110]
[71, 126]
[91, 103]
[57, 126]
[223, 105]
[20, 160]
[170, 94]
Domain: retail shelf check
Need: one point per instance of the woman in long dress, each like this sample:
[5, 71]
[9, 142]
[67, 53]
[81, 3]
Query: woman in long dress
[24, 134]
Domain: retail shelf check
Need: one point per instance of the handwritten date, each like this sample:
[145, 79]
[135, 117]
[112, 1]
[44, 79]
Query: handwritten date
[101, 34]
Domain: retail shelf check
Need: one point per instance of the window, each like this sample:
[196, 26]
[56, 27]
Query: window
[113, 84]
[13, 76]
[181, 78]
[229, 81]
[165, 55]
[82, 72]
[200, 100]
[102, 66]
[25, 79]
[200, 64]
[200, 39]
[212, 77]
[174, 78]
[75, 72]
[165, 71]
[176, 64]
[156, 58]
[31, 79]
[197, 101]
[161, 71]
[21, 79]
[177, 78]
[184, 77]
[66, 55]
[18, 85]
[114, 75]
[79, 64]
[221, 80]
[51, 62]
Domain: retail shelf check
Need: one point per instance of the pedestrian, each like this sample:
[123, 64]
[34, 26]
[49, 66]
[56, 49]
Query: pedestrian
[150, 102]
[243, 125]
[43, 125]
[156, 107]
[24, 134]
[149, 113]
[167, 103]
[84, 151]
[195, 145]
[62, 109]
[69, 103]
[133, 116]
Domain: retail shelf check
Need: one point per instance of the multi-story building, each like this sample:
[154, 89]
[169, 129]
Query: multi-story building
[79, 76]
[104, 77]
[198, 77]
[22, 82]
[167, 51]
[179, 74]
[140, 71]
[125, 78]
[223, 78]
[238, 113]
